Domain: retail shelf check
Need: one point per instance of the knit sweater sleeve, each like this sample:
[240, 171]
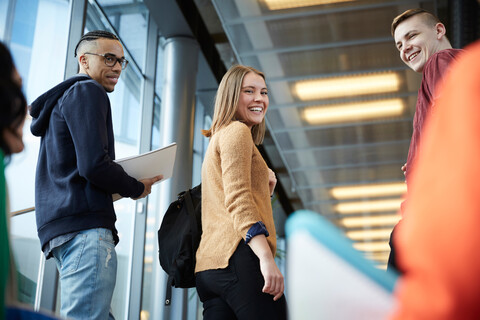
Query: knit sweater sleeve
[236, 149]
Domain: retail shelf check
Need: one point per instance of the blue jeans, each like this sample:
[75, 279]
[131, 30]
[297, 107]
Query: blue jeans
[87, 265]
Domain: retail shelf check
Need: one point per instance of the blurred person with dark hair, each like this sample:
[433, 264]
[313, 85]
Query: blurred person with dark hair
[76, 177]
[13, 109]
[421, 40]
[438, 240]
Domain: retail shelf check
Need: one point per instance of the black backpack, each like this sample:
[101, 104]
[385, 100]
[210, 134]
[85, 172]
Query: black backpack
[178, 240]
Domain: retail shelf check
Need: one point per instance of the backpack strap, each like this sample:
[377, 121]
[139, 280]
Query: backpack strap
[191, 211]
[168, 293]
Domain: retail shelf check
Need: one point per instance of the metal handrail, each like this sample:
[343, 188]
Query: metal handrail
[22, 211]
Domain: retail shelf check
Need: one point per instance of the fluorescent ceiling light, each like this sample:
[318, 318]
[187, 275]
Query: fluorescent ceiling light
[347, 86]
[148, 259]
[354, 111]
[372, 246]
[369, 234]
[377, 256]
[150, 235]
[288, 4]
[368, 206]
[382, 266]
[369, 190]
[383, 220]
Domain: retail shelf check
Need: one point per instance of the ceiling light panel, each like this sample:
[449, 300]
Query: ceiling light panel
[372, 246]
[377, 256]
[370, 221]
[347, 86]
[347, 156]
[305, 63]
[368, 206]
[289, 4]
[369, 234]
[369, 190]
[353, 111]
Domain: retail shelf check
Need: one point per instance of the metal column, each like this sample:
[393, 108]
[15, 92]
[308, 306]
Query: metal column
[178, 111]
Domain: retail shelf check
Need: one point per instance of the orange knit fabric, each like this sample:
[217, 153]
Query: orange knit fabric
[235, 195]
[439, 242]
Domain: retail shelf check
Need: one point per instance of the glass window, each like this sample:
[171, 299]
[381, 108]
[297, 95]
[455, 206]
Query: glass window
[156, 124]
[160, 72]
[154, 215]
[126, 114]
[27, 254]
[3, 17]
[130, 19]
[34, 63]
[150, 299]
[126, 111]
[38, 44]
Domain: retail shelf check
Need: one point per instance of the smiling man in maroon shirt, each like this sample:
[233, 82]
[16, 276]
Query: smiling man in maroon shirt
[423, 46]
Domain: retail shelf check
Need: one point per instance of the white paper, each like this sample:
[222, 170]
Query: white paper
[150, 164]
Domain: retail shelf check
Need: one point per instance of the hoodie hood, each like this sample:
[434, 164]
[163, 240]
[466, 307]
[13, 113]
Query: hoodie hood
[42, 107]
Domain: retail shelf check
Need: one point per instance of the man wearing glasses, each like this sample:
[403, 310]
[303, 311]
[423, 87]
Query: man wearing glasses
[76, 177]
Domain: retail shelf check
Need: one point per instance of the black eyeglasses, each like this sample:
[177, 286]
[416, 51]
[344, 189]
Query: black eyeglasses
[111, 60]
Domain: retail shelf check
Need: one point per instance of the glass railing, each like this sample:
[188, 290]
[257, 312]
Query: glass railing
[26, 252]
[30, 261]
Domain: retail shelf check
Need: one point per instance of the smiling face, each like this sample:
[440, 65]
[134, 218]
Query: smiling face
[417, 40]
[253, 100]
[94, 65]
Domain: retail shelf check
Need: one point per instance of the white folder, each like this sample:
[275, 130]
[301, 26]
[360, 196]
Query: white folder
[150, 164]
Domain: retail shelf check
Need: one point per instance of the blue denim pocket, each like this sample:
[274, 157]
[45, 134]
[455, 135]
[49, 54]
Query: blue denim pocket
[69, 254]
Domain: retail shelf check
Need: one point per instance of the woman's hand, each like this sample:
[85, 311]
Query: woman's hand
[274, 282]
[272, 181]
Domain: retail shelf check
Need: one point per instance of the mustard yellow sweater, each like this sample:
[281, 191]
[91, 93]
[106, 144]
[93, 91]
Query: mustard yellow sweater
[235, 195]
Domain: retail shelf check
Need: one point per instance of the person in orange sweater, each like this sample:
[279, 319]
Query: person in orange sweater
[236, 274]
[438, 243]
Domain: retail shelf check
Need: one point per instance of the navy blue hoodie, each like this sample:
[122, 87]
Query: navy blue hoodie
[76, 175]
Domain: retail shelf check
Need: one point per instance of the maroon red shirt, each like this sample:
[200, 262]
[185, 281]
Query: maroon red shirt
[433, 72]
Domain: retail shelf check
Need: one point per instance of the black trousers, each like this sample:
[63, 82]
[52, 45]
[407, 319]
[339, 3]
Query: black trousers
[236, 292]
[392, 263]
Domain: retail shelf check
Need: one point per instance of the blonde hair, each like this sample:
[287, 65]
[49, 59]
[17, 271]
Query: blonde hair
[226, 102]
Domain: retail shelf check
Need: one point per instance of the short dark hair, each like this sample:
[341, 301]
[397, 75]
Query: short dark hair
[94, 35]
[12, 101]
[429, 18]
[6, 63]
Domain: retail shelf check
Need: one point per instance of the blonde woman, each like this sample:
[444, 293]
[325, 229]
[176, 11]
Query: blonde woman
[237, 277]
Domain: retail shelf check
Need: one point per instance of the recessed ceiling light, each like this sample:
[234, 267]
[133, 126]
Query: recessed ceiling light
[368, 206]
[369, 190]
[288, 4]
[347, 86]
[381, 220]
[372, 246]
[353, 111]
[369, 234]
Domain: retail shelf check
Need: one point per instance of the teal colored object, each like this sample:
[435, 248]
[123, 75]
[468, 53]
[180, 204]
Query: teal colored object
[4, 249]
[332, 238]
